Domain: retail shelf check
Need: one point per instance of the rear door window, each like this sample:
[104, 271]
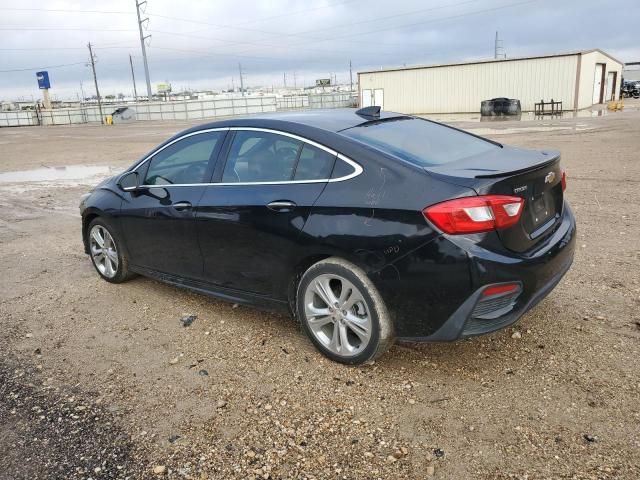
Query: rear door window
[420, 141]
[257, 156]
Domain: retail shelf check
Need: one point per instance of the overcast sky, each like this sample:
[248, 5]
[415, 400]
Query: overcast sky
[199, 43]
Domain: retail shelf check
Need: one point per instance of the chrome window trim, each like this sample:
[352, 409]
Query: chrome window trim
[357, 168]
[155, 152]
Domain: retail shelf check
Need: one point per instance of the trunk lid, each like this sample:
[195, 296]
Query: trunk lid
[533, 175]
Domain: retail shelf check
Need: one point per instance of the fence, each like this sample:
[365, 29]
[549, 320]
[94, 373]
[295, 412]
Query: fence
[324, 100]
[178, 110]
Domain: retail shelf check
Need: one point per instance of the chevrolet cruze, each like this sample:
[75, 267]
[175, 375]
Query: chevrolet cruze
[366, 226]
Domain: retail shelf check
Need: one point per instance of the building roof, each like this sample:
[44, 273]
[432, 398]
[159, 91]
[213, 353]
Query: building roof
[492, 60]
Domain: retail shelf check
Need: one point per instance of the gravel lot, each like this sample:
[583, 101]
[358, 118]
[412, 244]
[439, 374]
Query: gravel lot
[103, 381]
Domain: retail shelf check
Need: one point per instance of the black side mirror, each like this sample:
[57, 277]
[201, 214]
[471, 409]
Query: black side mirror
[129, 182]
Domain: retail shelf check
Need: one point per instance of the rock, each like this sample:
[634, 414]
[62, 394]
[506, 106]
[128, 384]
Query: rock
[391, 459]
[29, 335]
[235, 305]
[397, 454]
[412, 401]
[173, 361]
[431, 470]
[268, 406]
[221, 404]
[599, 317]
[159, 470]
[368, 454]
[173, 438]
[438, 452]
[516, 335]
[188, 320]
[203, 373]
[590, 438]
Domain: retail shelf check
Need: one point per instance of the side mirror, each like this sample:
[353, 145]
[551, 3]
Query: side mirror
[129, 182]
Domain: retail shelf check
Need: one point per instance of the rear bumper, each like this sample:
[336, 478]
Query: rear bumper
[538, 273]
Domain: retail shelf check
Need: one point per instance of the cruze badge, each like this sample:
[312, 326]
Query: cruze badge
[551, 176]
[520, 189]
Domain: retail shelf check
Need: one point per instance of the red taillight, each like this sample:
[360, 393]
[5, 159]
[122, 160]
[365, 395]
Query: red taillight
[563, 180]
[475, 214]
[500, 289]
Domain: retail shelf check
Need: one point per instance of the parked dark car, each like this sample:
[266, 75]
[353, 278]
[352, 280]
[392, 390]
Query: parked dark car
[366, 226]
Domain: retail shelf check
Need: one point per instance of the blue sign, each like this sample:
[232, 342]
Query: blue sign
[43, 80]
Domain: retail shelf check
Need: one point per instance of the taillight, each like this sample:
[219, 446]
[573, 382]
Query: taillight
[563, 180]
[475, 214]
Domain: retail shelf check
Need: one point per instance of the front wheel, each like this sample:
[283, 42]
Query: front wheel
[107, 254]
[342, 312]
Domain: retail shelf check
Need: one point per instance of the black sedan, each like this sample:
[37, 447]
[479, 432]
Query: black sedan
[366, 226]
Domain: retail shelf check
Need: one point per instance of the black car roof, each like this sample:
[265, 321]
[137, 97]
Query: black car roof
[332, 120]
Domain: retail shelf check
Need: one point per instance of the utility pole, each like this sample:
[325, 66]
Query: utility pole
[133, 76]
[295, 86]
[95, 79]
[241, 79]
[497, 47]
[350, 76]
[284, 78]
[144, 50]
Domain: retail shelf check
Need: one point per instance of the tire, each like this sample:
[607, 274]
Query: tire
[353, 335]
[105, 263]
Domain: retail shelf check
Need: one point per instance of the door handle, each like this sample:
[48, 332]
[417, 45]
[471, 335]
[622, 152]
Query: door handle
[182, 206]
[281, 206]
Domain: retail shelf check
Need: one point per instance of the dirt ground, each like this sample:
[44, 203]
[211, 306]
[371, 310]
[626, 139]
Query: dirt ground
[103, 381]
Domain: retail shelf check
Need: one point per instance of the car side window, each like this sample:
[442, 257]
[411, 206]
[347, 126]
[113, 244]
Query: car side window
[314, 164]
[261, 157]
[183, 162]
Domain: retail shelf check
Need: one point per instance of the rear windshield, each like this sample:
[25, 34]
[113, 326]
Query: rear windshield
[420, 141]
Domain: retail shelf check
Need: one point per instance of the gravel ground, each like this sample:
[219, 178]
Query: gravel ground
[103, 381]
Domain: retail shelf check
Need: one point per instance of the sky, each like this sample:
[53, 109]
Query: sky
[198, 44]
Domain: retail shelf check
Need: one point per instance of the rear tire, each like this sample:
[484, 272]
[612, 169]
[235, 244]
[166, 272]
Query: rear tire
[107, 253]
[342, 312]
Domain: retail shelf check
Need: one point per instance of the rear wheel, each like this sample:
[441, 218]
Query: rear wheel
[106, 253]
[342, 312]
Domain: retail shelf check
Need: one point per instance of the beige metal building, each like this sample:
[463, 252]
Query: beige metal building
[577, 79]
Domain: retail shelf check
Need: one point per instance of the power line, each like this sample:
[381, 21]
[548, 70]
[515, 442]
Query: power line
[57, 48]
[42, 68]
[378, 30]
[303, 33]
[61, 10]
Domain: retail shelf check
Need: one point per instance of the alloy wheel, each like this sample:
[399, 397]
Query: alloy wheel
[103, 251]
[337, 314]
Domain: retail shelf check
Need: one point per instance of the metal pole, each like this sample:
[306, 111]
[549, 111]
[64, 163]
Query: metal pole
[133, 76]
[495, 47]
[95, 80]
[144, 50]
[241, 79]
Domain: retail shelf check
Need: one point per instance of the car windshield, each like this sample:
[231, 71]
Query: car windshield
[420, 141]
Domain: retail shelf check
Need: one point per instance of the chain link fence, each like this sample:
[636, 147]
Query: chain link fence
[178, 110]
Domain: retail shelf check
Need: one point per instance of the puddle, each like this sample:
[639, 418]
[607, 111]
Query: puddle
[525, 116]
[71, 173]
